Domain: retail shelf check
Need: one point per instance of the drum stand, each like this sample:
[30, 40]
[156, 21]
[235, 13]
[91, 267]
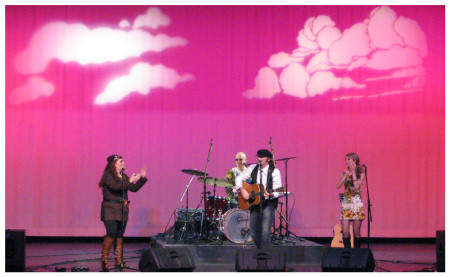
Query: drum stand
[188, 218]
[217, 223]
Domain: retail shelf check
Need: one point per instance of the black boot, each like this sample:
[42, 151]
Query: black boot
[357, 242]
[347, 243]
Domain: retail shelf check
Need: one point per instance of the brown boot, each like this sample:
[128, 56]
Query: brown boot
[118, 253]
[106, 247]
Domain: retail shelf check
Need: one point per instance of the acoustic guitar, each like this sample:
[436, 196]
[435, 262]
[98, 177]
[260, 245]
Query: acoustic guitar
[256, 195]
[338, 236]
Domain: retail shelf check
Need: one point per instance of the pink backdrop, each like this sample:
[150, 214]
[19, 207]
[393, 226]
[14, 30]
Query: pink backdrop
[156, 84]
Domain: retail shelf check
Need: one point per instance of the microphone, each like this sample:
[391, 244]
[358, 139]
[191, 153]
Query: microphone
[121, 171]
[363, 165]
[211, 144]
[260, 160]
[208, 192]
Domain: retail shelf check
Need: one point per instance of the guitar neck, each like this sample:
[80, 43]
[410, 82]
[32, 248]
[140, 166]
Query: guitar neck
[270, 191]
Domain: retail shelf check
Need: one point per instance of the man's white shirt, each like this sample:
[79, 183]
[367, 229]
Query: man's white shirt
[276, 178]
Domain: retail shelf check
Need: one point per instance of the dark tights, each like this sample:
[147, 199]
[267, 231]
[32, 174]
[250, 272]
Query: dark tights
[115, 229]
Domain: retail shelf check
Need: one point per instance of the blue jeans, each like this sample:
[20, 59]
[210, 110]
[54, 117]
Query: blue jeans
[261, 226]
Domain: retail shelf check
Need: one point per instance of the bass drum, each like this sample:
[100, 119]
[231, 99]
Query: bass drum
[236, 226]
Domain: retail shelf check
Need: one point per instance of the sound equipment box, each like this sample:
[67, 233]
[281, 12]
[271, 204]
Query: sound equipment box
[253, 259]
[348, 259]
[440, 251]
[15, 250]
[166, 259]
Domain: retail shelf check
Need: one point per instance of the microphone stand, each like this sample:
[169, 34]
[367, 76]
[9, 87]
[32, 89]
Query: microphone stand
[204, 178]
[369, 210]
[186, 220]
[287, 196]
[287, 219]
[123, 221]
[261, 187]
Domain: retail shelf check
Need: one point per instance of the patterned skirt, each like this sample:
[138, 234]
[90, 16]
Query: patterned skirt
[352, 208]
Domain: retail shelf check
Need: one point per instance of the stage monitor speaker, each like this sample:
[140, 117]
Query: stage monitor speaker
[440, 251]
[347, 259]
[15, 250]
[253, 259]
[166, 259]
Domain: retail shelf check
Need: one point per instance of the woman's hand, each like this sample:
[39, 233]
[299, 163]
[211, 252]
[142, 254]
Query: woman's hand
[143, 171]
[135, 177]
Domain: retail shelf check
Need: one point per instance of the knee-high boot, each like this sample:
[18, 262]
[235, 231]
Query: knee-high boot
[106, 248]
[347, 243]
[357, 242]
[118, 253]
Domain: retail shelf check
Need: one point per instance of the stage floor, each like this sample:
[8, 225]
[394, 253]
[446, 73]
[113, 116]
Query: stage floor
[396, 257]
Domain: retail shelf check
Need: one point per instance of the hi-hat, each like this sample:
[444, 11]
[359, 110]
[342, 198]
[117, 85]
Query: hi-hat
[194, 172]
[219, 182]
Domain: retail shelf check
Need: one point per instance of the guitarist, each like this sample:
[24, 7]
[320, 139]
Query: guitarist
[268, 177]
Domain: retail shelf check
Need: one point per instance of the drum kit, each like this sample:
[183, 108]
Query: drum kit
[221, 217]
[218, 220]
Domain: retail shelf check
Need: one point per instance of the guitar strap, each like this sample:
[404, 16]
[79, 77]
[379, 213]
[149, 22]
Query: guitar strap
[254, 176]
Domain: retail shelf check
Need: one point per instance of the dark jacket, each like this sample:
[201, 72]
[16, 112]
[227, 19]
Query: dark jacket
[112, 190]
[269, 186]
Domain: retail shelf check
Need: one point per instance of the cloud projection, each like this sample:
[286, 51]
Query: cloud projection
[389, 46]
[78, 43]
[34, 88]
[142, 78]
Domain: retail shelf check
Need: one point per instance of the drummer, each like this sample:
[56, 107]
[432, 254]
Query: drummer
[241, 166]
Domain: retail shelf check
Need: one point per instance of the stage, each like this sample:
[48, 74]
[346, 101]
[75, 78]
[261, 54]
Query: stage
[47, 254]
[221, 256]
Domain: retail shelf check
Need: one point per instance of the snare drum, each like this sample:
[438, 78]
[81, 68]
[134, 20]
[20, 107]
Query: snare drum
[221, 206]
[236, 226]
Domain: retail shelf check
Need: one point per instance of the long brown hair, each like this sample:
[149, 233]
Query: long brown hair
[110, 169]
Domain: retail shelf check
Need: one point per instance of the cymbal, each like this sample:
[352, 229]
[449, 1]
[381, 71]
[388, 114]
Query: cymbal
[219, 182]
[194, 172]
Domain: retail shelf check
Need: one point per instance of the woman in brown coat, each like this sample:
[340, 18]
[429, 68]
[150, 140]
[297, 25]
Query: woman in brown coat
[115, 185]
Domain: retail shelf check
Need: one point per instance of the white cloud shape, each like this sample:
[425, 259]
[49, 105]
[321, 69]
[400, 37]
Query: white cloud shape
[143, 78]
[381, 28]
[323, 81]
[328, 36]
[383, 43]
[354, 43]
[34, 88]
[318, 62]
[395, 57]
[281, 59]
[153, 18]
[293, 80]
[124, 24]
[266, 84]
[403, 73]
[78, 43]
[411, 33]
